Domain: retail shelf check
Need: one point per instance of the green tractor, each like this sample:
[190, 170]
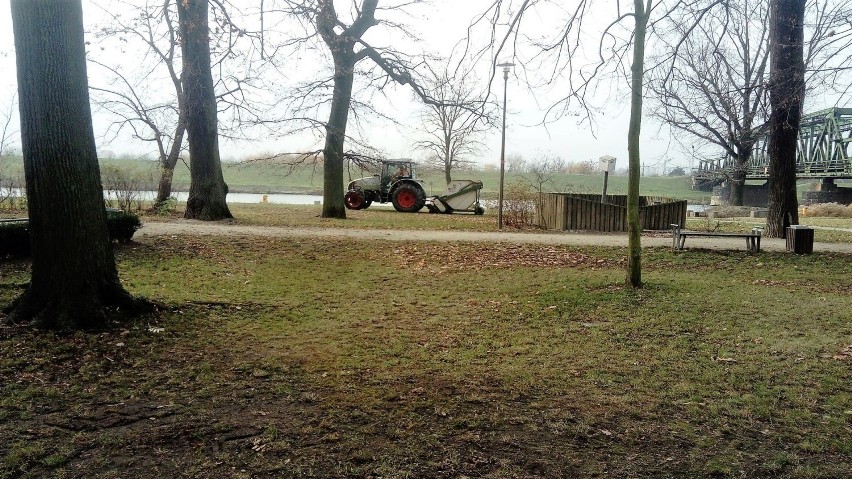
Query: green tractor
[397, 183]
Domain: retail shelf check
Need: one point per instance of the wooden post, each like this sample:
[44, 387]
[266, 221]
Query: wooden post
[606, 179]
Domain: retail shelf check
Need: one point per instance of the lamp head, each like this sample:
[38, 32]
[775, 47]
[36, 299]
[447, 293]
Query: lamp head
[506, 66]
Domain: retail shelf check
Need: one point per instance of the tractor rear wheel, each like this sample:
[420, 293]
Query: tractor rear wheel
[408, 198]
[354, 200]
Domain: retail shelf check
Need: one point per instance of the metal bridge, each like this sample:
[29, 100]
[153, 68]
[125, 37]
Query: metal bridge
[823, 151]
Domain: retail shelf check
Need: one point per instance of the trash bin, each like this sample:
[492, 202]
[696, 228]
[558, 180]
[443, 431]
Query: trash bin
[800, 239]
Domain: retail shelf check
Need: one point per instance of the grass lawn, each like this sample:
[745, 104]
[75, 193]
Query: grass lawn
[293, 358]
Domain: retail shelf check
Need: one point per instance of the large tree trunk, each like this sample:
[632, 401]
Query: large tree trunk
[73, 268]
[207, 188]
[168, 163]
[738, 177]
[634, 227]
[786, 97]
[735, 196]
[335, 135]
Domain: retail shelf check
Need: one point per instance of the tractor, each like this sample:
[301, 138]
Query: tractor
[397, 183]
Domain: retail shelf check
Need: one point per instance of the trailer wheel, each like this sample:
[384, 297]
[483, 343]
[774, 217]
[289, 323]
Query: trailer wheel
[408, 198]
[354, 200]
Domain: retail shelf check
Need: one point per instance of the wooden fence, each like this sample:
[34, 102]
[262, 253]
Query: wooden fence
[564, 211]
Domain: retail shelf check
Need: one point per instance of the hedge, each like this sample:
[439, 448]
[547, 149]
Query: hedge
[15, 235]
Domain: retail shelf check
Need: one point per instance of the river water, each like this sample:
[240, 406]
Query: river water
[288, 198]
[276, 198]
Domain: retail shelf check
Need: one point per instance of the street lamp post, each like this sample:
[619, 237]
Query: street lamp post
[506, 67]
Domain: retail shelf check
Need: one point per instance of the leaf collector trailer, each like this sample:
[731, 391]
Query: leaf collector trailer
[398, 184]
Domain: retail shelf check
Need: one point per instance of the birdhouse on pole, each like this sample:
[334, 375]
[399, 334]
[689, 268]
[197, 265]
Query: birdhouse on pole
[607, 164]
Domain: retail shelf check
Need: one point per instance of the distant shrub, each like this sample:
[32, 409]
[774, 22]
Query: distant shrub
[587, 167]
[15, 235]
[12, 196]
[126, 186]
[832, 210]
[677, 171]
[122, 225]
[519, 205]
[166, 208]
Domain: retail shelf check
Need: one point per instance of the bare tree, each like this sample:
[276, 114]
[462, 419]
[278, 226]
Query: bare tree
[786, 96]
[150, 116]
[516, 163]
[146, 98]
[715, 89]
[641, 15]
[207, 190]
[454, 124]
[343, 37]
[74, 275]
[541, 172]
[560, 59]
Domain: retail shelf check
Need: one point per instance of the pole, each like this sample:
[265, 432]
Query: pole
[506, 67]
[606, 178]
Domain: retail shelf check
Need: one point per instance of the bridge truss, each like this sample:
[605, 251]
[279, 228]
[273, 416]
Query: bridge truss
[824, 151]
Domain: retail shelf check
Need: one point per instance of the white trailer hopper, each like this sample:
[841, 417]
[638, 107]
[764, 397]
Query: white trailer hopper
[461, 196]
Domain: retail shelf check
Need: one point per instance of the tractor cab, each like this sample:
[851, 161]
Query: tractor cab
[395, 170]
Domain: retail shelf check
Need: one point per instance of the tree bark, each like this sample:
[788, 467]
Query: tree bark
[786, 97]
[74, 275]
[738, 177]
[168, 163]
[448, 160]
[634, 227]
[335, 135]
[207, 188]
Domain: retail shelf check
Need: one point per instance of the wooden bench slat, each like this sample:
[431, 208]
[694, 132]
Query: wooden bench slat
[679, 237]
[707, 233]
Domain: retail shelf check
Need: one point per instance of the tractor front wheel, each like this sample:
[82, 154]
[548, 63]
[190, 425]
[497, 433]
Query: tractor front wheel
[354, 200]
[408, 198]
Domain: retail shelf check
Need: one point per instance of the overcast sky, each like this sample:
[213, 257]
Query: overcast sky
[440, 26]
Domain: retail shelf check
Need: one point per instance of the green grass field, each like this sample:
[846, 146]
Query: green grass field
[281, 357]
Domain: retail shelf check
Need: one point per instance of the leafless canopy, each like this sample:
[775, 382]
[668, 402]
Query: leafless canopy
[135, 91]
[370, 29]
[715, 88]
[455, 122]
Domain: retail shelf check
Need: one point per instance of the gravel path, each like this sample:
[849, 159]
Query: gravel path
[194, 227]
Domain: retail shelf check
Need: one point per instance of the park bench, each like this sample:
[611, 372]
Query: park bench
[752, 239]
